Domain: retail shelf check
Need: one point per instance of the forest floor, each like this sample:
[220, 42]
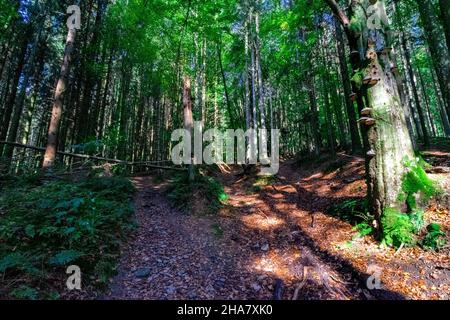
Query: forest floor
[280, 231]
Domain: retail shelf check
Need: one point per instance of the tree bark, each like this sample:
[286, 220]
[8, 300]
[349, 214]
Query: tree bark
[438, 50]
[388, 138]
[412, 80]
[188, 121]
[20, 101]
[352, 119]
[445, 19]
[10, 101]
[52, 140]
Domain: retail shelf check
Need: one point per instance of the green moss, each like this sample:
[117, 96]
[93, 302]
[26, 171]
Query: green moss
[357, 78]
[416, 182]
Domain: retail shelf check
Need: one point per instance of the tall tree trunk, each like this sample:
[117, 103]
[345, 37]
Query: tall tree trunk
[315, 121]
[412, 80]
[262, 98]
[432, 124]
[20, 101]
[444, 117]
[438, 50]
[52, 140]
[445, 19]
[384, 120]
[225, 87]
[10, 101]
[189, 121]
[352, 119]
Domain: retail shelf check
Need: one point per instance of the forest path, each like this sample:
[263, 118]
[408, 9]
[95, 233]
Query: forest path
[173, 255]
[229, 256]
[271, 232]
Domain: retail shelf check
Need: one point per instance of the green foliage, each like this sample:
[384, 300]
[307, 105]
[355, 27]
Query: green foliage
[435, 238]
[204, 189]
[416, 181]
[50, 226]
[397, 228]
[25, 292]
[417, 221]
[406, 228]
[263, 181]
[364, 229]
[64, 257]
[357, 78]
[354, 211]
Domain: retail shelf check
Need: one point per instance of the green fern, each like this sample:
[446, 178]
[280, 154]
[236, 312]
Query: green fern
[397, 228]
[435, 238]
[65, 257]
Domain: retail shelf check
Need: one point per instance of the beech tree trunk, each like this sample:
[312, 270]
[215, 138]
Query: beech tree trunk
[383, 118]
[52, 140]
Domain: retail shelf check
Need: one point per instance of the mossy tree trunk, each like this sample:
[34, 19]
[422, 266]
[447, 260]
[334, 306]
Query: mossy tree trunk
[383, 122]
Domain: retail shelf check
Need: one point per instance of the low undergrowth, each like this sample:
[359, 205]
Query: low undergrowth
[46, 227]
[261, 182]
[205, 195]
[399, 228]
[355, 212]
[408, 228]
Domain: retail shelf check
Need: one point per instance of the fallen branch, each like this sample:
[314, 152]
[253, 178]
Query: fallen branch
[88, 157]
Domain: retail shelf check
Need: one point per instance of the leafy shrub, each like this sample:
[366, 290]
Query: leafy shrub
[45, 227]
[416, 218]
[397, 228]
[354, 211]
[184, 193]
[363, 229]
[435, 238]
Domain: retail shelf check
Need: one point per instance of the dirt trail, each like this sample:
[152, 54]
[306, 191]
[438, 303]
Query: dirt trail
[177, 256]
[173, 255]
[275, 233]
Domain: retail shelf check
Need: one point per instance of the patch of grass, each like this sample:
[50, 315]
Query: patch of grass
[260, 183]
[45, 228]
[203, 195]
[159, 178]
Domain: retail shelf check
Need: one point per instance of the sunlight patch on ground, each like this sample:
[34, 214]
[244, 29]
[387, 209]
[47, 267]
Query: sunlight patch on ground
[276, 264]
[259, 221]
